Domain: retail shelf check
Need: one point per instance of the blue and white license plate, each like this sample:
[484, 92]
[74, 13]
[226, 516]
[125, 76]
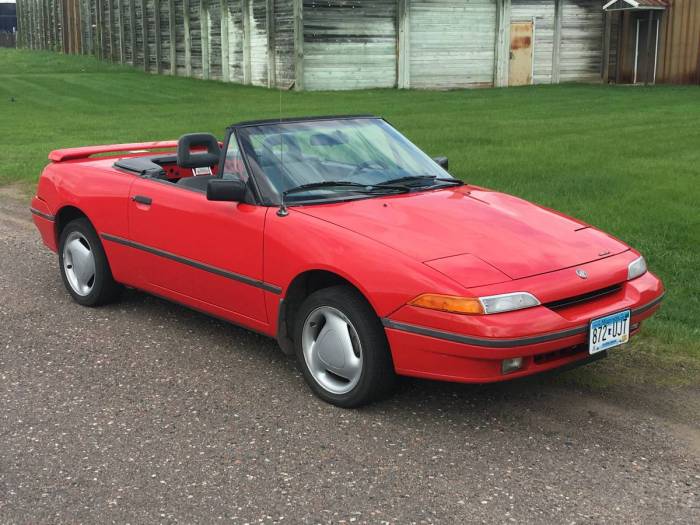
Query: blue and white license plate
[609, 331]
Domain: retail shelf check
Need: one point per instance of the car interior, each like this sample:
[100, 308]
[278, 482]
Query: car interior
[195, 163]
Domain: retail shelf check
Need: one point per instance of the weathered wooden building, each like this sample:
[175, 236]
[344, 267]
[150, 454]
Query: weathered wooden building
[351, 44]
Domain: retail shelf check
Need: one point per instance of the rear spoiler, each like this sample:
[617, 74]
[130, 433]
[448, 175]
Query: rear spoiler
[59, 155]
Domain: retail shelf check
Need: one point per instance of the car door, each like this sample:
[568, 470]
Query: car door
[205, 253]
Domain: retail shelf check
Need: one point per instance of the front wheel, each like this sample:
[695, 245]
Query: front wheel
[84, 267]
[342, 349]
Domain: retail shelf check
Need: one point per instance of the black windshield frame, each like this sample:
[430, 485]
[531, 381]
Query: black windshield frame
[262, 187]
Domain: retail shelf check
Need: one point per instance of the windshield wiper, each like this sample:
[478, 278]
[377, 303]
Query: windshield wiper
[363, 188]
[431, 178]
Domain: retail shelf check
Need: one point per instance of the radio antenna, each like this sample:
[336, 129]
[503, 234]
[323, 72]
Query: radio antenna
[282, 211]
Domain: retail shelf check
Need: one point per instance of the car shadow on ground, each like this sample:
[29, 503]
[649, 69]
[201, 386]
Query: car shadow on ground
[221, 334]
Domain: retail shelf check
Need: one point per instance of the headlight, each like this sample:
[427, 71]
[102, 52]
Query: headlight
[636, 268]
[508, 302]
[492, 304]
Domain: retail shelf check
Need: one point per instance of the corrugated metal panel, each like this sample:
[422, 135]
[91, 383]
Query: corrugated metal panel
[349, 44]
[284, 42]
[543, 13]
[581, 41]
[679, 43]
[452, 43]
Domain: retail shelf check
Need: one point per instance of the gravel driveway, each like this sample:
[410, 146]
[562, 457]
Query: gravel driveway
[145, 411]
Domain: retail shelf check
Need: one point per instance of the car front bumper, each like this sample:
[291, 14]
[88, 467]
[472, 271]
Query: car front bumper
[439, 349]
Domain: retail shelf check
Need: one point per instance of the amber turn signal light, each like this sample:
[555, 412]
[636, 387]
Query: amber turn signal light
[448, 303]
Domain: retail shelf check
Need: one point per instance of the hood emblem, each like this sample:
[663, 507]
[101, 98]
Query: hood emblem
[583, 274]
[606, 252]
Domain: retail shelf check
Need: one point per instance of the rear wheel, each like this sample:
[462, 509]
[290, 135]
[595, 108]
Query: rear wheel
[83, 264]
[342, 349]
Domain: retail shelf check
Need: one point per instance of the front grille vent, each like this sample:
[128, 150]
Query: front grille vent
[583, 298]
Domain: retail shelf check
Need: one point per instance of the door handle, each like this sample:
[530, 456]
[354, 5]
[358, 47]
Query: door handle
[142, 199]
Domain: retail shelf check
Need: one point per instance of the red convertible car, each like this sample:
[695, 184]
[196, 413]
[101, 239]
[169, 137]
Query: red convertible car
[354, 249]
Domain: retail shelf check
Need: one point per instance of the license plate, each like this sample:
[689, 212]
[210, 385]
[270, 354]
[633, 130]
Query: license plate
[609, 331]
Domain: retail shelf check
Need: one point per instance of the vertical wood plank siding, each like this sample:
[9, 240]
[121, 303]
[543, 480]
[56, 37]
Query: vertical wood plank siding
[349, 44]
[452, 43]
[235, 40]
[542, 11]
[257, 30]
[582, 29]
[284, 43]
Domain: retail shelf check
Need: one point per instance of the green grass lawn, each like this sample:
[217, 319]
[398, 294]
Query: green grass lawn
[625, 159]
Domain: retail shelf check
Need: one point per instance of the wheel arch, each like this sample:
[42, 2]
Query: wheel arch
[303, 285]
[64, 215]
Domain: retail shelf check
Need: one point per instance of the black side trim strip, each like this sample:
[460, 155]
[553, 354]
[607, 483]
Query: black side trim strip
[195, 264]
[479, 341]
[43, 215]
[501, 343]
[649, 306]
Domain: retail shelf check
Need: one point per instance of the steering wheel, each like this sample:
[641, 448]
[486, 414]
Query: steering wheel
[367, 165]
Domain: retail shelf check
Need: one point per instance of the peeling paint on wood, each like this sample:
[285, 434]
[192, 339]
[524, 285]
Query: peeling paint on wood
[349, 44]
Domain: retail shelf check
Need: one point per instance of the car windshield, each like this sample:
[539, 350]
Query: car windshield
[337, 159]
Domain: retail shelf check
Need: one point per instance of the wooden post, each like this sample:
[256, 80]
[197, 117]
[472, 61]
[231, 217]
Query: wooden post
[204, 35]
[61, 15]
[188, 38]
[144, 36]
[271, 58]
[98, 30]
[78, 29]
[132, 30]
[54, 26]
[556, 44]
[156, 19]
[173, 37]
[605, 73]
[61, 20]
[621, 37]
[20, 23]
[298, 45]
[122, 51]
[109, 26]
[42, 24]
[502, 52]
[18, 29]
[245, 11]
[48, 26]
[225, 65]
[403, 64]
[90, 34]
[648, 74]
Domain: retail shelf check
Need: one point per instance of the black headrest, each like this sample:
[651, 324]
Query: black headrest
[187, 159]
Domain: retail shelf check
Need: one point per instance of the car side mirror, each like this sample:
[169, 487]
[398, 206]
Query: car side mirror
[442, 162]
[226, 190]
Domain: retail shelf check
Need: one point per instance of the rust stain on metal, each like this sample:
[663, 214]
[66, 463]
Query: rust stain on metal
[521, 42]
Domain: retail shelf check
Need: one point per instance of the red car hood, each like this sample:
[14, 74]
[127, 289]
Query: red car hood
[518, 238]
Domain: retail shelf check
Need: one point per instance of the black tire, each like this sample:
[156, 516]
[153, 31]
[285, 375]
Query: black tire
[377, 377]
[104, 289]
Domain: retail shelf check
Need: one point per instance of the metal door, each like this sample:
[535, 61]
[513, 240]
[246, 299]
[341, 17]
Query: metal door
[520, 64]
